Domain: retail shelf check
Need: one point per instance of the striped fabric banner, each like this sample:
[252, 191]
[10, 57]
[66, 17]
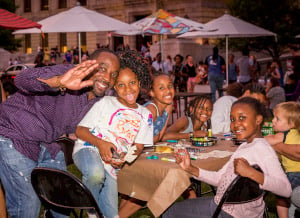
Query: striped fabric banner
[12, 21]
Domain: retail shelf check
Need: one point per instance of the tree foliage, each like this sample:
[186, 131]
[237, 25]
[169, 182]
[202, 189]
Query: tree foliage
[278, 16]
[8, 42]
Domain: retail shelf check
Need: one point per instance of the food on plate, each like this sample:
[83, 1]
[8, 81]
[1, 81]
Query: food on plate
[163, 149]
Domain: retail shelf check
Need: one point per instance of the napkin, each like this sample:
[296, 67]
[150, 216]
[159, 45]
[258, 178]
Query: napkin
[130, 156]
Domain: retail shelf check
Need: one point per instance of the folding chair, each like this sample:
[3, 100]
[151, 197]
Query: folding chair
[67, 146]
[62, 192]
[241, 190]
[196, 185]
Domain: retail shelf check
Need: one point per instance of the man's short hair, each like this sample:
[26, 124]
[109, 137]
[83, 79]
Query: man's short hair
[97, 52]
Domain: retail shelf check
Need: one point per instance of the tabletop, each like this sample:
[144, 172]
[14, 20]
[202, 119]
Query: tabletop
[160, 182]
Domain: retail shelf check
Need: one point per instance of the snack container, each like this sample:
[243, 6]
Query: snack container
[204, 141]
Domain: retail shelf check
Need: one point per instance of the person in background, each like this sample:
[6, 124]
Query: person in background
[39, 62]
[254, 67]
[294, 50]
[143, 50]
[68, 57]
[201, 77]
[179, 77]
[114, 125]
[245, 68]
[277, 72]
[232, 70]
[75, 55]
[246, 116]
[215, 65]
[50, 103]
[10, 62]
[275, 93]
[148, 55]
[46, 57]
[41, 53]
[290, 84]
[268, 71]
[162, 94]
[220, 119]
[16, 61]
[53, 56]
[160, 65]
[190, 69]
[169, 62]
[286, 123]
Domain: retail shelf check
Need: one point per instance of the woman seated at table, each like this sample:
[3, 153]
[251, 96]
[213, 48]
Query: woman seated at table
[195, 123]
[162, 93]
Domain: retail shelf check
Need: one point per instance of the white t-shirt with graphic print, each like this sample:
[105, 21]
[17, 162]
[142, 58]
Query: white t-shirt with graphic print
[111, 121]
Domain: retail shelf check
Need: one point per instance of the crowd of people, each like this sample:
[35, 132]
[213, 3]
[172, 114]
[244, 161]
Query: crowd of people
[45, 57]
[117, 103]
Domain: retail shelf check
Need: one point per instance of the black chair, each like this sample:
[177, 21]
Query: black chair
[62, 192]
[295, 95]
[241, 190]
[196, 185]
[67, 146]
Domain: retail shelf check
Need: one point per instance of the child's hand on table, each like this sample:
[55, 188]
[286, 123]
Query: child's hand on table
[183, 158]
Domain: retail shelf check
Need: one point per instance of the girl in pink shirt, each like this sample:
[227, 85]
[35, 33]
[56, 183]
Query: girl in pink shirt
[246, 119]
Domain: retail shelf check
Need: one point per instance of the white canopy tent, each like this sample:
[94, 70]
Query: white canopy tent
[226, 27]
[77, 19]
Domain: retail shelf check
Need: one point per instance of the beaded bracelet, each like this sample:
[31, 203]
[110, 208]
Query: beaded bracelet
[61, 88]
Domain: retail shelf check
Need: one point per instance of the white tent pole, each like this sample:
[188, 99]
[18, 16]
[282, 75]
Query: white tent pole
[79, 47]
[161, 47]
[227, 79]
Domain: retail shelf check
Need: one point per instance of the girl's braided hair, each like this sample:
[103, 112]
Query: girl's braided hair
[138, 64]
[195, 104]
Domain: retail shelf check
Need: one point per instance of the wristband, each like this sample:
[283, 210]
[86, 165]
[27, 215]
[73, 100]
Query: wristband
[61, 88]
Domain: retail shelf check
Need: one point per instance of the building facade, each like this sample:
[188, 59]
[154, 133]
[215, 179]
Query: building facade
[124, 10]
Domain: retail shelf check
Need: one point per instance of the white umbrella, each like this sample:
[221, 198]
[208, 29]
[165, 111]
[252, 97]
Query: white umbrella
[77, 19]
[226, 27]
[159, 23]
